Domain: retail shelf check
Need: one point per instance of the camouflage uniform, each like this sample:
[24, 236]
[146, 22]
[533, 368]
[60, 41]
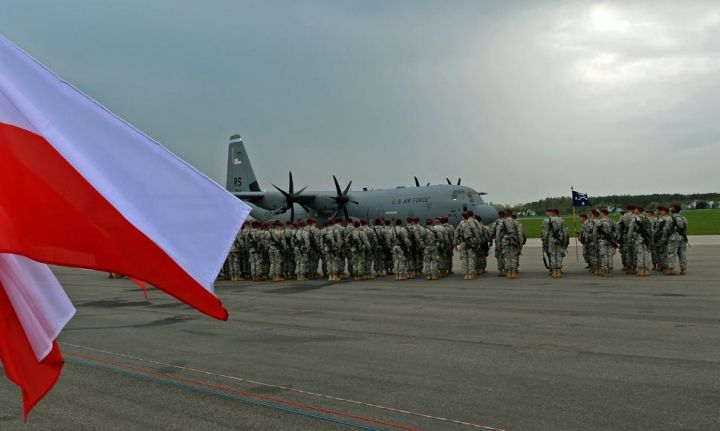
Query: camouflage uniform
[434, 239]
[277, 250]
[639, 237]
[627, 250]
[244, 240]
[381, 249]
[258, 239]
[371, 265]
[555, 241]
[586, 239]
[676, 251]
[449, 249]
[359, 250]
[301, 247]
[401, 246]
[510, 235]
[654, 245]
[332, 245]
[495, 234]
[604, 236]
[466, 240]
[234, 260]
[289, 255]
[315, 236]
[411, 255]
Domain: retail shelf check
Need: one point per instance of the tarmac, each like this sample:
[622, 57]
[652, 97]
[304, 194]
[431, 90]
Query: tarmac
[536, 353]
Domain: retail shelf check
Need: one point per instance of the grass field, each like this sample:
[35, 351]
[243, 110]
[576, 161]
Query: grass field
[700, 222]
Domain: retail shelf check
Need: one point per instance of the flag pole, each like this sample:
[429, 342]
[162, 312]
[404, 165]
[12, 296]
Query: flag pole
[577, 253]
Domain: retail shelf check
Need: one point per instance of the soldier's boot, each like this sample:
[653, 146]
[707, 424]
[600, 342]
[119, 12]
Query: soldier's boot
[397, 276]
[508, 275]
[514, 275]
[467, 276]
[683, 271]
[558, 273]
[473, 274]
[670, 271]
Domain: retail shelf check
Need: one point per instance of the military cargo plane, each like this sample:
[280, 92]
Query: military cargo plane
[427, 201]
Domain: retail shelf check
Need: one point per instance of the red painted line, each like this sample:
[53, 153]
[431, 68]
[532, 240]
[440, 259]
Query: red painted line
[245, 393]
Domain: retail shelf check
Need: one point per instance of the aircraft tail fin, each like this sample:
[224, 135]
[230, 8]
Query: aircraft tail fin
[240, 175]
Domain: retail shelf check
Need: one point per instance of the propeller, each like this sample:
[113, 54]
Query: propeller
[342, 198]
[450, 182]
[417, 182]
[291, 198]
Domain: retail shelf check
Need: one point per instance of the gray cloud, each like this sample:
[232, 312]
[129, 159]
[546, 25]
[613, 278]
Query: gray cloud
[522, 100]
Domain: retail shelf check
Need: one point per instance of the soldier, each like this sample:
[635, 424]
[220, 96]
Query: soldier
[627, 252]
[332, 242]
[277, 250]
[234, 260]
[245, 250]
[381, 249]
[677, 243]
[465, 242]
[449, 249]
[650, 215]
[359, 248]
[523, 235]
[370, 264]
[555, 241]
[483, 250]
[401, 245]
[289, 255]
[585, 237]
[411, 253]
[639, 237]
[604, 235]
[498, 246]
[315, 254]
[346, 260]
[510, 234]
[300, 245]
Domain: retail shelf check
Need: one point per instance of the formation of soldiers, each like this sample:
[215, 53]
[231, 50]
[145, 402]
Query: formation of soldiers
[646, 240]
[342, 249]
[362, 250]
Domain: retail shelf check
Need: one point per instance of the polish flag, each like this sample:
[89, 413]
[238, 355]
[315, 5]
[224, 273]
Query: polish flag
[81, 187]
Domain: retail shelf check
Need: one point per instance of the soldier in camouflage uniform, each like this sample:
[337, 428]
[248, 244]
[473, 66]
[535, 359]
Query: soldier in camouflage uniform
[585, 238]
[257, 250]
[300, 244]
[359, 250]
[411, 253]
[627, 252]
[483, 250]
[315, 248]
[401, 246]
[555, 241]
[244, 241]
[381, 249]
[434, 241]
[465, 241]
[604, 235]
[370, 263]
[332, 243]
[523, 235]
[289, 255]
[234, 260]
[277, 250]
[654, 255]
[449, 249]
[510, 235]
[676, 251]
[495, 236]
[639, 235]
[346, 259]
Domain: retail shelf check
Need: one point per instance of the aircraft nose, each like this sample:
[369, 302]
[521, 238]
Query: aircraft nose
[488, 213]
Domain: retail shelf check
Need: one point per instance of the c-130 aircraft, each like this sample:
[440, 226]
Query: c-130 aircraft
[429, 201]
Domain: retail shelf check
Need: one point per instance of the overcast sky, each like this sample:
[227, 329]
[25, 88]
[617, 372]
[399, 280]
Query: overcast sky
[520, 99]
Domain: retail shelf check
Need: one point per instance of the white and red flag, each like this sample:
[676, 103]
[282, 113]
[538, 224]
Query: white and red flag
[80, 187]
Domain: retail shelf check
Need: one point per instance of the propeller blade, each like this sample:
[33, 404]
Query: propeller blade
[459, 181]
[337, 186]
[291, 182]
[417, 183]
[345, 211]
[284, 193]
[292, 213]
[301, 190]
[448, 181]
[307, 210]
[427, 185]
[347, 189]
[355, 202]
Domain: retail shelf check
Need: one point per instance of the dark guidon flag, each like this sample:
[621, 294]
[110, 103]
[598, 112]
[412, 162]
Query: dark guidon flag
[580, 199]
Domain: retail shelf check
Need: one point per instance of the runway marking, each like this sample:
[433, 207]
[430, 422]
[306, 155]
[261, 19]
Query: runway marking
[221, 391]
[289, 389]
